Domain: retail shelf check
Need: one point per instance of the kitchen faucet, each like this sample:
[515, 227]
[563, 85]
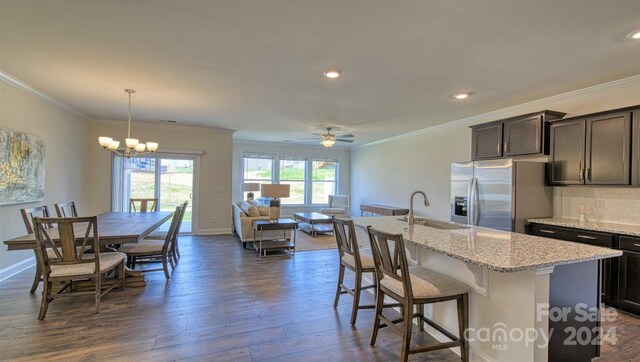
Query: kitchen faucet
[426, 203]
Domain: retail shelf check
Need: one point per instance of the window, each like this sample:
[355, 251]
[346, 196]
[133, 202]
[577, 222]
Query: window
[323, 178]
[257, 168]
[311, 179]
[293, 172]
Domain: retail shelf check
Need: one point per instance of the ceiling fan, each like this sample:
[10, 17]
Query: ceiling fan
[329, 139]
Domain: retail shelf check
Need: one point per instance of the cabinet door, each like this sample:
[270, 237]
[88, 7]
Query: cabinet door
[487, 141]
[566, 162]
[629, 281]
[523, 137]
[608, 150]
[607, 275]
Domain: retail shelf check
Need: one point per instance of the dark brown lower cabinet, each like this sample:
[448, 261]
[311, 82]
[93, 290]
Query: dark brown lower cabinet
[629, 281]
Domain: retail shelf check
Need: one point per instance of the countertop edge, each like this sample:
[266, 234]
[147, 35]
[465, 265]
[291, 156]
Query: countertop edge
[575, 224]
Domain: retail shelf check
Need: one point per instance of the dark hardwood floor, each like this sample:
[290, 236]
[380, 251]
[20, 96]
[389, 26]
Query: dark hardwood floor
[222, 303]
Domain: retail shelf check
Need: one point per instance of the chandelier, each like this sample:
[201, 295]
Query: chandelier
[134, 148]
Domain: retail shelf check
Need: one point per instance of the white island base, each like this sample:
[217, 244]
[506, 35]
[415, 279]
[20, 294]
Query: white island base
[509, 312]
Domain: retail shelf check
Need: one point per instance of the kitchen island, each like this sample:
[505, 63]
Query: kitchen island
[533, 299]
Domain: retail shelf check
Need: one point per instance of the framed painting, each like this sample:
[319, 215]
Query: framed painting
[21, 167]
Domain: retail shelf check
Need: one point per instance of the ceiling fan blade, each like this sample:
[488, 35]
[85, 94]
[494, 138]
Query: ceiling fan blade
[309, 138]
[319, 134]
[339, 140]
[346, 135]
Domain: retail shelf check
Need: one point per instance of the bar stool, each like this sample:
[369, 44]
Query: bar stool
[414, 286]
[350, 258]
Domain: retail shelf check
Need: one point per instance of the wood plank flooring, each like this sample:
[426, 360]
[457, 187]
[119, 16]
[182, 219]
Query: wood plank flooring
[222, 303]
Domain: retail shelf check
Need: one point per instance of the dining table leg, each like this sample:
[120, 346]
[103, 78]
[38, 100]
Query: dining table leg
[38, 277]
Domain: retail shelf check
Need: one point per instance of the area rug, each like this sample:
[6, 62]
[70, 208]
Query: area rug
[306, 242]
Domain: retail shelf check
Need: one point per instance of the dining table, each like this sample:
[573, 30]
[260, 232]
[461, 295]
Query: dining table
[113, 228]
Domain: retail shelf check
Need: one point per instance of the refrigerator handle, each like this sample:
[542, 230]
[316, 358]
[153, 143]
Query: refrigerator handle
[469, 202]
[473, 206]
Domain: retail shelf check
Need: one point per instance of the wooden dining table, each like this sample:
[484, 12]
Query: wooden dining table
[113, 228]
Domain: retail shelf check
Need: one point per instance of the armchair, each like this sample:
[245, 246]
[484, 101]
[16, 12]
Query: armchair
[338, 205]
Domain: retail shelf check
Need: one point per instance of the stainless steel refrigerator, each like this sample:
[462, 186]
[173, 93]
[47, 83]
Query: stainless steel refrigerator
[499, 194]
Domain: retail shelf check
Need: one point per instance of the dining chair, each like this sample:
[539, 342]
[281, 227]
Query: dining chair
[163, 235]
[144, 204]
[66, 209]
[414, 286]
[27, 217]
[352, 259]
[152, 249]
[69, 265]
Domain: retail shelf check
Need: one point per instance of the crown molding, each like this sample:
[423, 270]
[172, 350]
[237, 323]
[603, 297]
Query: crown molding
[28, 88]
[173, 126]
[509, 111]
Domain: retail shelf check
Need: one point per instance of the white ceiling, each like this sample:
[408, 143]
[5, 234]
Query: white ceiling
[256, 66]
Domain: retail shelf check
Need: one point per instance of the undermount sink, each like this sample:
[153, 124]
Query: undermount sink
[442, 225]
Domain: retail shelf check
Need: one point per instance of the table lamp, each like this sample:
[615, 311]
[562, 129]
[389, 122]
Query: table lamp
[275, 192]
[250, 186]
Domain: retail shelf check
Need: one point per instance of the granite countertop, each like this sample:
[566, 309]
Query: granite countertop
[608, 227]
[489, 248]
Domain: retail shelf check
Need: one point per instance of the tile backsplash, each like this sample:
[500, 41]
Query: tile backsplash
[617, 205]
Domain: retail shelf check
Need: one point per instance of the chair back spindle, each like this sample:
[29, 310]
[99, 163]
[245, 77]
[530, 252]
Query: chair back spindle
[345, 234]
[150, 204]
[390, 258]
[29, 214]
[66, 209]
[65, 251]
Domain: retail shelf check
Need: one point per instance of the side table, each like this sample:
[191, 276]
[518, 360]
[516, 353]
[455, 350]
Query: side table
[285, 245]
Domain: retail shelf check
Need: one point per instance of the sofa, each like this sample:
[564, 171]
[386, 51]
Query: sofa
[243, 226]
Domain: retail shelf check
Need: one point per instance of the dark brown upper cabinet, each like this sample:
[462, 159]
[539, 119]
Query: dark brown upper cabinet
[566, 163]
[521, 135]
[591, 150]
[487, 141]
[635, 147]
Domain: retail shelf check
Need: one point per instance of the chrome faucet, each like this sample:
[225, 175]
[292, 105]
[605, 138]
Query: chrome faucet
[426, 203]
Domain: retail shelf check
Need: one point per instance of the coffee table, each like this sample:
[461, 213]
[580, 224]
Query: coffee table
[314, 222]
[285, 245]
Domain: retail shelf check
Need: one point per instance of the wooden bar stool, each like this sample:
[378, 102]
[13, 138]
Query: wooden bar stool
[350, 258]
[414, 286]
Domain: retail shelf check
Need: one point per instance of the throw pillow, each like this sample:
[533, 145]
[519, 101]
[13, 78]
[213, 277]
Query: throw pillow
[253, 202]
[263, 210]
[249, 209]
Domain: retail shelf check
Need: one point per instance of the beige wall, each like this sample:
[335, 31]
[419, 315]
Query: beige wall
[214, 179]
[64, 134]
[387, 172]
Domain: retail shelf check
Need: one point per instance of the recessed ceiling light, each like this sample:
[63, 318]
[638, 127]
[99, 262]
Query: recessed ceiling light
[634, 35]
[461, 96]
[332, 73]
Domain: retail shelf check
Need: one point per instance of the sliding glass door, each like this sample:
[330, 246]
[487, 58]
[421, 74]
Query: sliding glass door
[169, 178]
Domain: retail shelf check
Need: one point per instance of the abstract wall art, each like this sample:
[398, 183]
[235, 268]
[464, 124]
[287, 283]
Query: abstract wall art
[21, 167]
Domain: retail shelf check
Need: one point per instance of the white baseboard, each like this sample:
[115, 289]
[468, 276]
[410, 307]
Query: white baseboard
[16, 268]
[221, 231]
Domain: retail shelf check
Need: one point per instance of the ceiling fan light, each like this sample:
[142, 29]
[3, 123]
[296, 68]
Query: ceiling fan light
[327, 143]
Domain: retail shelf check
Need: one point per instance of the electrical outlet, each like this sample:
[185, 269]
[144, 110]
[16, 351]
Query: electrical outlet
[213, 220]
[599, 203]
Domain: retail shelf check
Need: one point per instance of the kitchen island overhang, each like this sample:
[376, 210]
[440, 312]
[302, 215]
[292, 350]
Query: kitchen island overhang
[530, 294]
